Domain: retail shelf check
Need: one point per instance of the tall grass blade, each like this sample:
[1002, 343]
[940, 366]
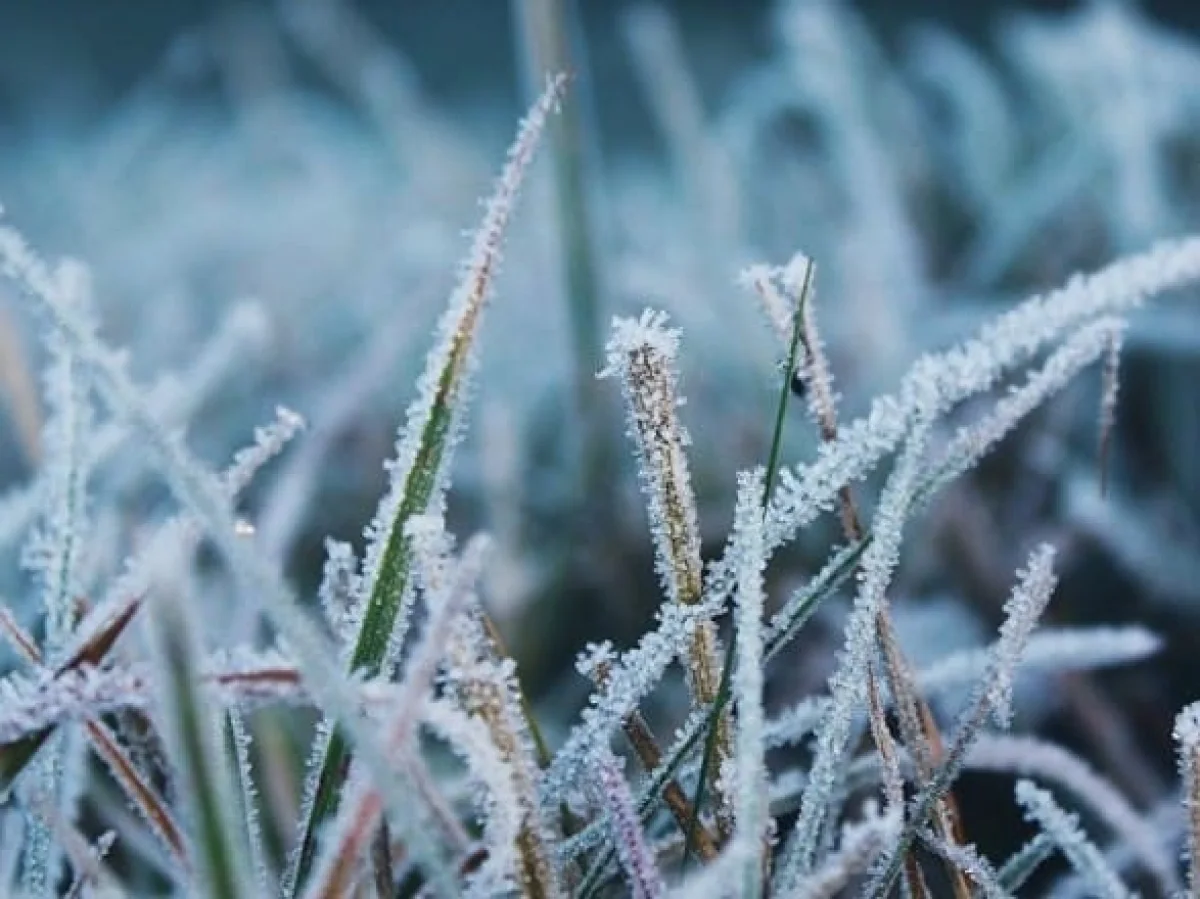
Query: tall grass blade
[795, 350]
[188, 726]
[419, 471]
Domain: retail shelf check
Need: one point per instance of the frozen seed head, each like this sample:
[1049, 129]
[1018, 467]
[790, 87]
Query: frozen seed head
[642, 353]
[648, 334]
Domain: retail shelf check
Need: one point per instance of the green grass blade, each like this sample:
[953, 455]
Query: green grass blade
[197, 754]
[785, 390]
[785, 393]
[379, 617]
[422, 455]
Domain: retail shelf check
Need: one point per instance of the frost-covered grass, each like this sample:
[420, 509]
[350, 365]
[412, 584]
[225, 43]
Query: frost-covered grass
[194, 706]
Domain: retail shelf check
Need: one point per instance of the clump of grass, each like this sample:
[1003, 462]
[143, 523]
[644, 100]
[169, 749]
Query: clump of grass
[773, 802]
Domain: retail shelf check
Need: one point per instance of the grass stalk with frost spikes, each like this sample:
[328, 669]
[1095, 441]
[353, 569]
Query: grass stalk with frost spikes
[791, 366]
[1187, 738]
[197, 751]
[643, 352]
[418, 473]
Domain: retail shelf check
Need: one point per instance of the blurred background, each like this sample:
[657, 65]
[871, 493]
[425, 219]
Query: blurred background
[271, 199]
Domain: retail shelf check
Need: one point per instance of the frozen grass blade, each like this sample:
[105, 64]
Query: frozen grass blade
[1108, 408]
[1063, 829]
[54, 553]
[1024, 862]
[197, 752]
[1033, 758]
[645, 882]
[992, 697]
[643, 352]
[847, 685]
[861, 845]
[752, 816]
[794, 356]
[419, 471]
[239, 737]
[1187, 738]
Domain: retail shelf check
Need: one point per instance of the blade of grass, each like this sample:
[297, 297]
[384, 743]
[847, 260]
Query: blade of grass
[139, 791]
[196, 752]
[424, 448]
[1024, 862]
[95, 646]
[383, 607]
[785, 393]
[546, 29]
